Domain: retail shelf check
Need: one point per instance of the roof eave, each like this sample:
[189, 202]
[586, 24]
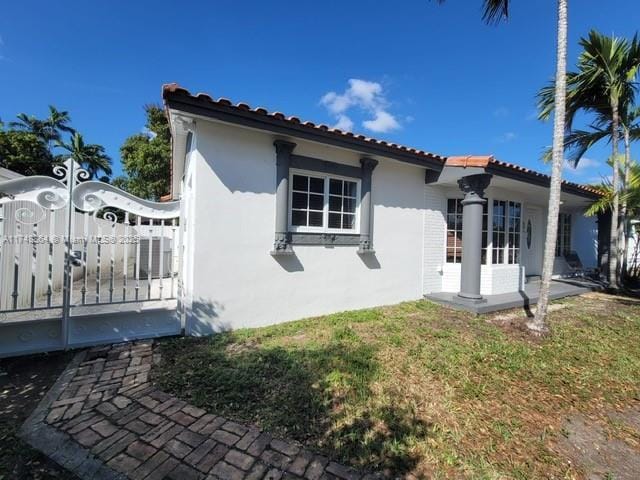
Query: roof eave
[187, 103]
[538, 179]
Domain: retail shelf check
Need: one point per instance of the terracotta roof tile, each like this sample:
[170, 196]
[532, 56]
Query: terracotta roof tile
[462, 161]
[512, 166]
[174, 88]
[469, 161]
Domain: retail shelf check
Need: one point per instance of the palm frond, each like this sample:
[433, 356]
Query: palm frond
[494, 11]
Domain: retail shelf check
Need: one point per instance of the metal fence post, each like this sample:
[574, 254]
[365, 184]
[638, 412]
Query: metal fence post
[66, 283]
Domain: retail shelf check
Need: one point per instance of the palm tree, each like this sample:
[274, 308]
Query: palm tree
[56, 123]
[31, 124]
[605, 85]
[631, 194]
[495, 11]
[48, 130]
[630, 128]
[90, 156]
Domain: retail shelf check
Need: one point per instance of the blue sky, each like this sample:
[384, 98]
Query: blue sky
[432, 77]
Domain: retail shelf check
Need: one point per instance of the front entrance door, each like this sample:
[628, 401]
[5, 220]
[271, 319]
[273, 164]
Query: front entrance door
[533, 242]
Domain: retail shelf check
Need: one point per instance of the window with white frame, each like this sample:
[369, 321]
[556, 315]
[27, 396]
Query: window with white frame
[323, 203]
[563, 243]
[513, 245]
[499, 231]
[454, 231]
[505, 247]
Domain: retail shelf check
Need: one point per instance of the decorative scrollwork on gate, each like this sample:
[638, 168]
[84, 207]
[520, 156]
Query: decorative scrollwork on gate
[92, 196]
[71, 242]
[87, 195]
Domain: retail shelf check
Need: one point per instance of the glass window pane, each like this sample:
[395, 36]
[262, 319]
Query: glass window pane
[451, 205]
[299, 200]
[335, 203]
[350, 189]
[349, 205]
[349, 221]
[316, 202]
[451, 222]
[335, 186]
[334, 220]
[300, 182]
[316, 185]
[298, 217]
[451, 239]
[315, 219]
[450, 255]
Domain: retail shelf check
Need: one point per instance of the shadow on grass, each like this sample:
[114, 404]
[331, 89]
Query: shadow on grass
[319, 394]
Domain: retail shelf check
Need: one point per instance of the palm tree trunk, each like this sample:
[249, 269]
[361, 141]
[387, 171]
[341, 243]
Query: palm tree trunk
[538, 323]
[624, 229]
[615, 186]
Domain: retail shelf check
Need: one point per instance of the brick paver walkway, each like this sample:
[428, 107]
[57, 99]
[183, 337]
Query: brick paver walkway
[104, 419]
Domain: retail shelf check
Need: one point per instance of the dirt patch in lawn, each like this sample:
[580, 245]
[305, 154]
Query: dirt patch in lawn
[23, 383]
[592, 446]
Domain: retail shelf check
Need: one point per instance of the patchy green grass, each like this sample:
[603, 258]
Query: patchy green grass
[418, 388]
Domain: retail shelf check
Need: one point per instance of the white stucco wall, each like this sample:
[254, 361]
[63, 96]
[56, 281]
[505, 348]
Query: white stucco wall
[434, 239]
[237, 283]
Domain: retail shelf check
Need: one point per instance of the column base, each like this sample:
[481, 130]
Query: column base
[470, 299]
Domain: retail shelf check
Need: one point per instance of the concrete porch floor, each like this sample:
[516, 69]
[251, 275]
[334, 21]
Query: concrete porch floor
[560, 288]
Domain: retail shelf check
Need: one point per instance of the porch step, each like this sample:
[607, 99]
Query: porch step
[532, 278]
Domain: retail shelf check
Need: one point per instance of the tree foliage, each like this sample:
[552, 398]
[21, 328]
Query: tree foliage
[25, 153]
[91, 157]
[603, 85]
[146, 157]
[29, 146]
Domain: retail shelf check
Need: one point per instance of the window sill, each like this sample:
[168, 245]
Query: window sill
[299, 238]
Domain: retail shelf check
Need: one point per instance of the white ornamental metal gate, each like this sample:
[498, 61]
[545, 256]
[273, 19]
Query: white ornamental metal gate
[83, 262]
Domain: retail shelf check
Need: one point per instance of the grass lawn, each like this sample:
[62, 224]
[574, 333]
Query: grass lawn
[418, 388]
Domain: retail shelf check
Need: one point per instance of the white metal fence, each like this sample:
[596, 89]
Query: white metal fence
[83, 262]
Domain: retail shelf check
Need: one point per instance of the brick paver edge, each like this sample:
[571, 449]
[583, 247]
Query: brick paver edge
[57, 445]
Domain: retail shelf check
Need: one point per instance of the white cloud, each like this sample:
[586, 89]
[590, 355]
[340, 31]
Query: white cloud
[344, 123]
[363, 95]
[584, 165]
[507, 137]
[383, 122]
[335, 103]
[501, 112]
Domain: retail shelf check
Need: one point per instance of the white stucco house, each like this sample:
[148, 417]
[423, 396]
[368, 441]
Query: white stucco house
[284, 219]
